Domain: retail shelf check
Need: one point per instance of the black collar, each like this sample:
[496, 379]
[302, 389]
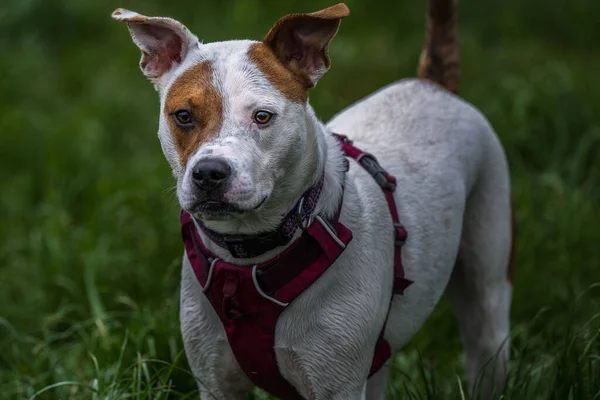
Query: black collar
[249, 246]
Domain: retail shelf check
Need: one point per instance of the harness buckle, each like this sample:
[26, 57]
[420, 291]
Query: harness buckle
[234, 242]
[400, 234]
[300, 217]
[383, 179]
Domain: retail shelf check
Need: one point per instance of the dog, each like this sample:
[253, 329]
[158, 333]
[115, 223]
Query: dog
[245, 147]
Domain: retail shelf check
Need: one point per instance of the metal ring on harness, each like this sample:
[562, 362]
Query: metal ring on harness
[299, 218]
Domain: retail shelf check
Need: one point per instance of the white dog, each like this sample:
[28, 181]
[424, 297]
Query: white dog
[249, 155]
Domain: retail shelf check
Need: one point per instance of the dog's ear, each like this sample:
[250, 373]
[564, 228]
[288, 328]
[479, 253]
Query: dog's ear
[164, 42]
[301, 41]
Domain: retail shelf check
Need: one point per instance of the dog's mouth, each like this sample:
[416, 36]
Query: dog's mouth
[219, 209]
[215, 208]
[261, 203]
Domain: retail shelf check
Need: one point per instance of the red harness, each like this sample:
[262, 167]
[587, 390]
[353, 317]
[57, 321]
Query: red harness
[249, 299]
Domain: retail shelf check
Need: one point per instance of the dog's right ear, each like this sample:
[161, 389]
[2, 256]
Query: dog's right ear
[164, 42]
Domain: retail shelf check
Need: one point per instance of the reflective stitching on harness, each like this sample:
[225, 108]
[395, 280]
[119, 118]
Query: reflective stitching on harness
[330, 231]
[210, 272]
[263, 294]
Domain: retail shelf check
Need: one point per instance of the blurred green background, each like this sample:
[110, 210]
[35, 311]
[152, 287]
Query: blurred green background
[89, 232]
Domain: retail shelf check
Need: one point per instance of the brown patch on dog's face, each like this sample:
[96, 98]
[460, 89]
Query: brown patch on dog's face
[194, 92]
[293, 86]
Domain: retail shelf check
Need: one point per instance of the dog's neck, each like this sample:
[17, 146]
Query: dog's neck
[322, 158]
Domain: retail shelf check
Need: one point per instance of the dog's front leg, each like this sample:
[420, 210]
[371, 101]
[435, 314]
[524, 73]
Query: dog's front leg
[330, 358]
[211, 360]
[360, 394]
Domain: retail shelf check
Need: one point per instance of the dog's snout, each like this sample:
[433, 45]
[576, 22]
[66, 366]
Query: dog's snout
[211, 173]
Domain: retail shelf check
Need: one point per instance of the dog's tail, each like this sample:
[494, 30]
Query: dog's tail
[440, 57]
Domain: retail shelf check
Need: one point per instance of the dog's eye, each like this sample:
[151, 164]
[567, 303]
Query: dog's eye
[183, 118]
[262, 117]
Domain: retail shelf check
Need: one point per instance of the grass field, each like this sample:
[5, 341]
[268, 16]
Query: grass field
[89, 231]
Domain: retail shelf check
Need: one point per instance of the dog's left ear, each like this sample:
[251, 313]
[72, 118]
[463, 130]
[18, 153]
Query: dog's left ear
[164, 42]
[301, 41]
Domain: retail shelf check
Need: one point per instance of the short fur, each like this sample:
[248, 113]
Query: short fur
[440, 56]
[194, 89]
[453, 198]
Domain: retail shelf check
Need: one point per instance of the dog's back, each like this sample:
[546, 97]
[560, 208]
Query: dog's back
[453, 196]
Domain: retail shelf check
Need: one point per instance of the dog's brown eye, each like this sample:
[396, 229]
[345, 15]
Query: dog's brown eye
[183, 117]
[262, 117]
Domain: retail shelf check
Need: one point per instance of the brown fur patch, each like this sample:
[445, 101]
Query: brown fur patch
[298, 43]
[117, 14]
[193, 91]
[292, 85]
[339, 10]
[330, 16]
[440, 56]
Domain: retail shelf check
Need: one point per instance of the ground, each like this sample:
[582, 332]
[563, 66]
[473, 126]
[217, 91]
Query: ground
[89, 233]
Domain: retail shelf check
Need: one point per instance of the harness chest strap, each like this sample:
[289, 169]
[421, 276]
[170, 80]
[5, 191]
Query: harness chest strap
[249, 299]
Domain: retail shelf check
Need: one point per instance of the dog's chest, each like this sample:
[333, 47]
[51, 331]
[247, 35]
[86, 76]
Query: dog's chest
[249, 299]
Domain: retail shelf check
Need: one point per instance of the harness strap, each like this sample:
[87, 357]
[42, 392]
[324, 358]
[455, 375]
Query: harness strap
[388, 184]
[249, 299]
[327, 238]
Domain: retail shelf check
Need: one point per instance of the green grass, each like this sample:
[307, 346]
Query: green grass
[89, 232]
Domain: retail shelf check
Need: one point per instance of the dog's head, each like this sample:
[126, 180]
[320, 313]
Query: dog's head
[234, 123]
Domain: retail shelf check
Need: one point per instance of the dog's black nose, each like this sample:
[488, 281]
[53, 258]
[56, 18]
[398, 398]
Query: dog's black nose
[211, 173]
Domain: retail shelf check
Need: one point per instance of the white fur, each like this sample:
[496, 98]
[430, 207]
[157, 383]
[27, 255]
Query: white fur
[452, 197]
[449, 164]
